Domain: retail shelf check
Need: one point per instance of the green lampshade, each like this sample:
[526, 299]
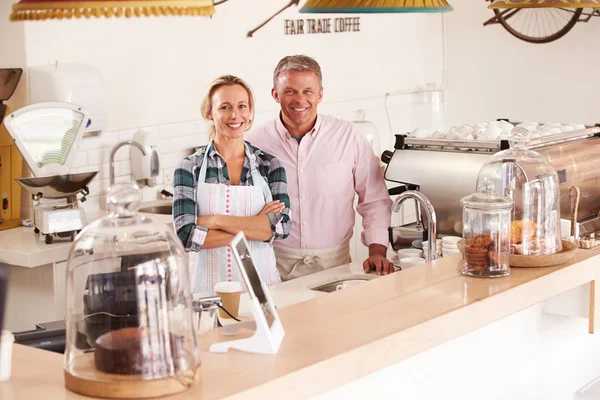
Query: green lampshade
[375, 6]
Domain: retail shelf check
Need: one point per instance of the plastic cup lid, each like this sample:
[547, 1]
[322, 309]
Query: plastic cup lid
[228, 287]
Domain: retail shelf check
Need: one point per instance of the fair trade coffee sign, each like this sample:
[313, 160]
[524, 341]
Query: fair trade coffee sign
[309, 26]
[312, 26]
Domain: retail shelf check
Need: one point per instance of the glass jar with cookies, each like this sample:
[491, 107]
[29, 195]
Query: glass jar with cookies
[486, 233]
[531, 181]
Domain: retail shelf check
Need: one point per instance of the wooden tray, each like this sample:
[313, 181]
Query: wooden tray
[567, 254]
[94, 383]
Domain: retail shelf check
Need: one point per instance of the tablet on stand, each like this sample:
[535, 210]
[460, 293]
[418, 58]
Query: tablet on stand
[269, 331]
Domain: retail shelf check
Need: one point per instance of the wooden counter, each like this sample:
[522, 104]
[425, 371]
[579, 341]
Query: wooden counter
[337, 338]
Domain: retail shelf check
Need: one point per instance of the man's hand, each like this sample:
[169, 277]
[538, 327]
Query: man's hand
[273, 207]
[377, 261]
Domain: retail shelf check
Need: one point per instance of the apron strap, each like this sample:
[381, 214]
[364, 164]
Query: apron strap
[257, 178]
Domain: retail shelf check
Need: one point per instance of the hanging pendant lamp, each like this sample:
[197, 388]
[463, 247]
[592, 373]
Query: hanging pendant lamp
[545, 4]
[58, 9]
[375, 6]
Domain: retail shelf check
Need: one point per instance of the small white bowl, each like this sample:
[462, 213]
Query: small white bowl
[550, 130]
[567, 128]
[449, 252]
[403, 253]
[422, 133]
[451, 240]
[437, 241]
[411, 262]
[490, 134]
[450, 247]
[577, 126]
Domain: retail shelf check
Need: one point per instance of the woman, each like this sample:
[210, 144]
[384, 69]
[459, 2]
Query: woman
[227, 187]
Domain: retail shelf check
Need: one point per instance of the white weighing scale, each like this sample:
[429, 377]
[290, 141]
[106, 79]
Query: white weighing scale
[269, 331]
[48, 136]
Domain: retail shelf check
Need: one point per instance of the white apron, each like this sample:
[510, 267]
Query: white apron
[209, 266]
[294, 263]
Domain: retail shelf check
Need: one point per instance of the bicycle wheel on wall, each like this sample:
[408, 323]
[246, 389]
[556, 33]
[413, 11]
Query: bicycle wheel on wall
[538, 25]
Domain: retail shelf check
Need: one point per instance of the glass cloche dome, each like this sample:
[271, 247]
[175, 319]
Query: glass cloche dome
[129, 306]
[531, 181]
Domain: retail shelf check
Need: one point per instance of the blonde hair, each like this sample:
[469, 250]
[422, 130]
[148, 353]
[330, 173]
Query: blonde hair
[298, 62]
[224, 80]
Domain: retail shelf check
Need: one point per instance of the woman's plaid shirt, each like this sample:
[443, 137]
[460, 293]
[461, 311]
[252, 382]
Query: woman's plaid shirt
[185, 184]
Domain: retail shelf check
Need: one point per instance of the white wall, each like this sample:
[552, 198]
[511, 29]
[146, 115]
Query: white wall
[157, 69]
[12, 52]
[492, 74]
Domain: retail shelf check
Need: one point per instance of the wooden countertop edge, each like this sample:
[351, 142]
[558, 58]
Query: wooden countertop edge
[387, 347]
[345, 368]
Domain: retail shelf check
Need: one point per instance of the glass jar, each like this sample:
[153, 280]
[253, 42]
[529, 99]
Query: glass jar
[429, 108]
[486, 233]
[129, 306]
[531, 181]
[368, 130]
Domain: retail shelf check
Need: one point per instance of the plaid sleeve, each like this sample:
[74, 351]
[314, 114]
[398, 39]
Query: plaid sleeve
[184, 207]
[280, 222]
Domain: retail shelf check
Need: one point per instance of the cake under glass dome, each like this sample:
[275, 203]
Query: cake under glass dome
[129, 306]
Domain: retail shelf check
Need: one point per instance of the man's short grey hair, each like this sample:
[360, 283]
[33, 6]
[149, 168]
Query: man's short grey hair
[298, 62]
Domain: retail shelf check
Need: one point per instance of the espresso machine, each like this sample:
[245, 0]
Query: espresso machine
[445, 170]
[48, 136]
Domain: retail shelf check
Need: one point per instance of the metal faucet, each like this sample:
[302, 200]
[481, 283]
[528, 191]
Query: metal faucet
[432, 227]
[112, 156]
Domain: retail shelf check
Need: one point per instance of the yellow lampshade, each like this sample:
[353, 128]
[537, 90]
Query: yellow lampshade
[545, 4]
[375, 6]
[59, 9]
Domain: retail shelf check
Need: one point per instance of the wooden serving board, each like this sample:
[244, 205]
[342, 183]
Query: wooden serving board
[566, 255]
[89, 381]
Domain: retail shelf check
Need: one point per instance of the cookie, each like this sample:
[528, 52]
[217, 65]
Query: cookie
[476, 251]
[481, 241]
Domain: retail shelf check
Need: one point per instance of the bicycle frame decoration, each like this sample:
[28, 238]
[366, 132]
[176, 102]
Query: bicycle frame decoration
[541, 21]
[544, 4]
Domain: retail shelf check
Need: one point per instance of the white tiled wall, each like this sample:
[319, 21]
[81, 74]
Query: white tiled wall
[175, 142]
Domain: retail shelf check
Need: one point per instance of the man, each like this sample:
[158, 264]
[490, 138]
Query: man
[327, 161]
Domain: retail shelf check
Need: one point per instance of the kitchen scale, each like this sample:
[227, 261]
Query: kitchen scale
[48, 136]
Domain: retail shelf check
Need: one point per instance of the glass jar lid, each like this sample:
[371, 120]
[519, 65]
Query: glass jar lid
[485, 199]
[517, 162]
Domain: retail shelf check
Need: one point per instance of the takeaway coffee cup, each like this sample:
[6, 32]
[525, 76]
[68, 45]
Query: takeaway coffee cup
[230, 293]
